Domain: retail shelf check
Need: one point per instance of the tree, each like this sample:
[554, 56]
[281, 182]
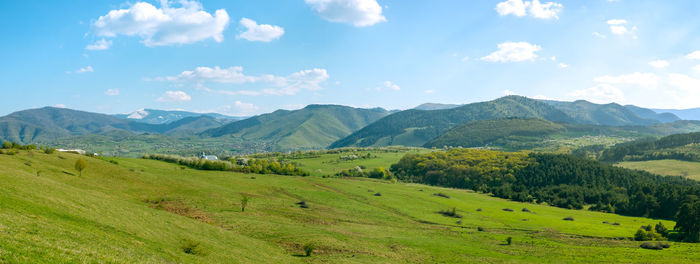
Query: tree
[309, 248]
[688, 219]
[6, 144]
[244, 202]
[80, 165]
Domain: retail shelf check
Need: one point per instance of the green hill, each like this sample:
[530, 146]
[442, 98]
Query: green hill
[417, 127]
[145, 211]
[313, 127]
[679, 147]
[496, 132]
[612, 114]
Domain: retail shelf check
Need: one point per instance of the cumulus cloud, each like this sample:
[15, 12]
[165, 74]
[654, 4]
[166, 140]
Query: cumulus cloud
[513, 52]
[174, 96]
[85, 70]
[685, 91]
[533, 8]
[112, 92]
[601, 93]
[360, 13]
[695, 55]
[283, 85]
[659, 64]
[240, 109]
[389, 85]
[59, 106]
[637, 78]
[620, 27]
[696, 68]
[101, 44]
[262, 32]
[162, 26]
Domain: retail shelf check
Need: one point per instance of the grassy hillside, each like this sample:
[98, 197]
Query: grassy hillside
[313, 127]
[686, 169]
[496, 132]
[145, 211]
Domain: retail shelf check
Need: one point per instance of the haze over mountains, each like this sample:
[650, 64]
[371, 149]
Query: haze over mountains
[323, 126]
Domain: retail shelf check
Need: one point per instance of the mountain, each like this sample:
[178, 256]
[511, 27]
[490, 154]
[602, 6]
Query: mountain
[153, 116]
[612, 114]
[434, 106]
[685, 114]
[49, 124]
[417, 127]
[495, 131]
[315, 126]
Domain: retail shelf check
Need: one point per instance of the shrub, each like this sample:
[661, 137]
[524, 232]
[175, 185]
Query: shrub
[480, 229]
[244, 202]
[378, 194]
[302, 204]
[507, 209]
[450, 213]
[527, 210]
[661, 229]
[192, 247]
[442, 195]
[568, 218]
[478, 209]
[509, 240]
[646, 234]
[49, 150]
[309, 248]
[655, 246]
[80, 165]
[6, 144]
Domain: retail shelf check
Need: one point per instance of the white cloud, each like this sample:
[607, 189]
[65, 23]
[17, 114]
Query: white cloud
[465, 58]
[85, 70]
[112, 92]
[240, 109]
[563, 65]
[101, 44]
[686, 92]
[262, 32]
[388, 85]
[360, 13]
[598, 35]
[284, 85]
[174, 96]
[166, 25]
[659, 64]
[695, 55]
[639, 79]
[513, 52]
[534, 8]
[59, 106]
[508, 92]
[601, 93]
[697, 68]
[430, 91]
[619, 27]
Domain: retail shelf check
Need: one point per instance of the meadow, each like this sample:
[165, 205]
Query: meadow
[125, 210]
[686, 169]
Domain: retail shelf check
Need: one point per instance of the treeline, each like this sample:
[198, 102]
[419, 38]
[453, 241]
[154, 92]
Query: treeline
[559, 180]
[258, 166]
[360, 171]
[11, 148]
[679, 146]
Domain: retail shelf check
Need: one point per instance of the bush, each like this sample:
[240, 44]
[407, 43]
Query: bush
[378, 194]
[527, 210]
[450, 213]
[509, 240]
[192, 247]
[480, 229]
[507, 209]
[442, 195]
[302, 204]
[655, 246]
[309, 248]
[244, 202]
[568, 218]
[661, 229]
[645, 233]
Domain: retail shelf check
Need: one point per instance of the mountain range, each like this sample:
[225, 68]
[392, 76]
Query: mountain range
[333, 126]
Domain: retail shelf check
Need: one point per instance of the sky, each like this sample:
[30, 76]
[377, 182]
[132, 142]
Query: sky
[243, 58]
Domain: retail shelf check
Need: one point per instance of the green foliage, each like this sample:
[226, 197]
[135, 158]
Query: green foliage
[80, 165]
[679, 147]
[688, 219]
[655, 246]
[495, 132]
[646, 233]
[258, 166]
[309, 248]
[560, 180]
[509, 241]
[192, 247]
[661, 229]
[6, 144]
[450, 213]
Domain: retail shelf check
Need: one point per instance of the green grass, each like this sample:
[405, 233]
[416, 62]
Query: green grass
[145, 211]
[687, 169]
[330, 164]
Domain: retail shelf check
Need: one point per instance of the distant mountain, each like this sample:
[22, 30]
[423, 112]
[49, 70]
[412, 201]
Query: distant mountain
[153, 116]
[417, 127]
[434, 106]
[49, 123]
[612, 114]
[315, 126]
[685, 114]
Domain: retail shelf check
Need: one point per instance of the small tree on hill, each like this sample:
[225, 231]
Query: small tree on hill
[80, 165]
[244, 202]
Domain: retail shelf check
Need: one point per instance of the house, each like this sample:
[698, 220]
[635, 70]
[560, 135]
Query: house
[208, 157]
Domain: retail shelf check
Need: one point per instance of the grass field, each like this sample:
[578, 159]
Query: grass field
[686, 169]
[143, 211]
[330, 164]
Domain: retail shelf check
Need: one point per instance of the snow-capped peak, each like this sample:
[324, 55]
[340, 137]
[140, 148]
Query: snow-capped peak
[139, 114]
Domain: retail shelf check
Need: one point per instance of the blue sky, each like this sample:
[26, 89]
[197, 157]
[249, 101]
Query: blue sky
[248, 57]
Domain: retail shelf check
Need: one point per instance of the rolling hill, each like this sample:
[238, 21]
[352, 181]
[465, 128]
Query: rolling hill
[612, 114]
[685, 114]
[495, 132]
[313, 127]
[153, 116]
